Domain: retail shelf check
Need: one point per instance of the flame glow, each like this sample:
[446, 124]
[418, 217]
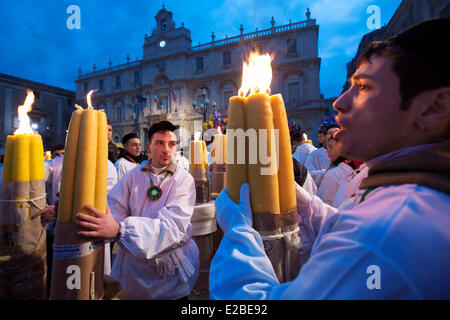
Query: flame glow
[256, 74]
[89, 99]
[305, 137]
[24, 120]
[197, 136]
[219, 130]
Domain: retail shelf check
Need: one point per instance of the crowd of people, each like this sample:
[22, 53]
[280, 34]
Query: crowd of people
[373, 195]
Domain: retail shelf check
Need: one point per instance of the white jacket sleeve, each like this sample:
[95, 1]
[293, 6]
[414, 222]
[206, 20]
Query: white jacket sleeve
[337, 269]
[312, 212]
[145, 237]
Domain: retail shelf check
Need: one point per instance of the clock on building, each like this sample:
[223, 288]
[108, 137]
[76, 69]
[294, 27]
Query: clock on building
[162, 43]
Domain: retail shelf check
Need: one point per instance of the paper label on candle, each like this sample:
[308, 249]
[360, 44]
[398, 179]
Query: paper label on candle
[71, 251]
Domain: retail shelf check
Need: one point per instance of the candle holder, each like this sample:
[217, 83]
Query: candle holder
[218, 178]
[201, 180]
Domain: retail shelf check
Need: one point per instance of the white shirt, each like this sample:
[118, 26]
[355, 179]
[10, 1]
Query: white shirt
[331, 181]
[402, 231]
[112, 176]
[317, 160]
[53, 172]
[302, 152]
[123, 166]
[157, 257]
[350, 185]
[181, 161]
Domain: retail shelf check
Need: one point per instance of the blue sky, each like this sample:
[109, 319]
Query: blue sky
[36, 44]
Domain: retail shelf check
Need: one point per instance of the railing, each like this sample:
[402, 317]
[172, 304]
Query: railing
[215, 44]
[255, 34]
[110, 69]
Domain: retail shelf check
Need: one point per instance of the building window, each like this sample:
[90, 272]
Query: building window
[118, 81]
[164, 104]
[226, 57]
[163, 25]
[226, 98]
[294, 92]
[199, 64]
[100, 84]
[86, 87]
[137, 77]
[291, 45]
[119, 115]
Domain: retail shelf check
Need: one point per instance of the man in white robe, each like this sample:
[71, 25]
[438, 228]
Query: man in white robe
[302, 149]
[151, 208]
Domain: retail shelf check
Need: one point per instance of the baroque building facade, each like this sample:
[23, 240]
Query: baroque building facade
[50, 112]
[173, 74]
[408, 13]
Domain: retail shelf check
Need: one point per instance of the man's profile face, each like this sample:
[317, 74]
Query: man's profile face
[109, 133]
[322, 138]
[369, 112]
[162, 147]
[133, 146]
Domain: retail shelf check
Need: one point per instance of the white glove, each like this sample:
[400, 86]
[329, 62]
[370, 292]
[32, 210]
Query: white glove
[230, 215]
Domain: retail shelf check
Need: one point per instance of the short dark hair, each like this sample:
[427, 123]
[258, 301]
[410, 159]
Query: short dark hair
[420, 57]
[162, 126]
[129, 136]
[297, 136]
[56, 147]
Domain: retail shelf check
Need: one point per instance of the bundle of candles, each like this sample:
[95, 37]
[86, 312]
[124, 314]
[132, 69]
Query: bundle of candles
[218, 172]
[78, 264]
[22, 239]
[259, 152]
[198, 167]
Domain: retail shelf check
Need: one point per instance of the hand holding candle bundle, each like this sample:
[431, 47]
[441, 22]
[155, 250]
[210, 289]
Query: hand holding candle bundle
[255, 122]
[259, 152]
[83, 183]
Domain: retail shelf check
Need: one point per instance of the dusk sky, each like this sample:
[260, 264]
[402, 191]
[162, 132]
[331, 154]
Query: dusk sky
[36, 44]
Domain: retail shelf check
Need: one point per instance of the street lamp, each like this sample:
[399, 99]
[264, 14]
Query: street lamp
[203, 107]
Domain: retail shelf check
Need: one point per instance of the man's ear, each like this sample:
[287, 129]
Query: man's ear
[147, 147]
[433, 109]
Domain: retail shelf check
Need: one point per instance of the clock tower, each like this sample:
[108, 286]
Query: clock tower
[166, 39]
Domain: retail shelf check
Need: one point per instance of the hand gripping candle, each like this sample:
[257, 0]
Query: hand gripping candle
[257, 122]
[77, 263]
[22, 239]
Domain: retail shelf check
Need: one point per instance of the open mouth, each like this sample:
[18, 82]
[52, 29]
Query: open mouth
[341, 131]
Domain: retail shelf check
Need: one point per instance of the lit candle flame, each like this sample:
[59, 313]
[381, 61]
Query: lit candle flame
[256, 74]
[24, 120]
[197, 136]
[89, 99]
[219, 130]
[305, 137]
